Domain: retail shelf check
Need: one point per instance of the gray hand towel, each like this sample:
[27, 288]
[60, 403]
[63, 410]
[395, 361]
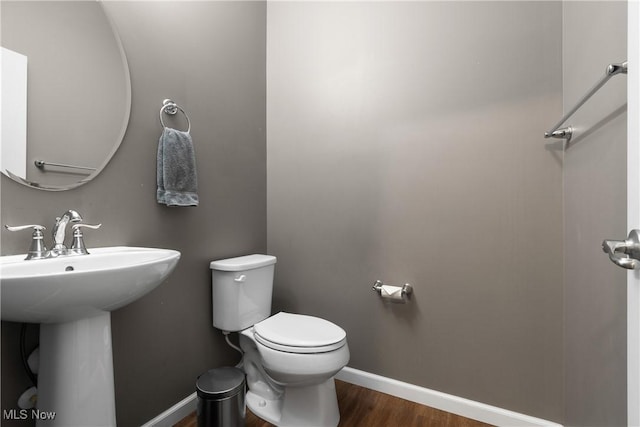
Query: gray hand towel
[176, 175]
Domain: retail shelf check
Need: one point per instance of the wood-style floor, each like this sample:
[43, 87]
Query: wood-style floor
[362, 407]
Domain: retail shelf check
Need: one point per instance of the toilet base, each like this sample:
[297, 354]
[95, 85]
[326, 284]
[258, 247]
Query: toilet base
[311, 406]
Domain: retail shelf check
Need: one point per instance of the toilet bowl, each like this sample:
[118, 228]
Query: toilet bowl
[290, 359]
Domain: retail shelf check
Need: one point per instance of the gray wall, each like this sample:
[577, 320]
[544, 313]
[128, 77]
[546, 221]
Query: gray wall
[405, 144]
[209, 57]
[594, 35]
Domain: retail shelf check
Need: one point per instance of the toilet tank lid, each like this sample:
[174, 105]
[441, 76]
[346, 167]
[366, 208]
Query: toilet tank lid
[241, 263]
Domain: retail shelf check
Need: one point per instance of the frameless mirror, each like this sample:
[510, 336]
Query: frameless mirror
[65, 91]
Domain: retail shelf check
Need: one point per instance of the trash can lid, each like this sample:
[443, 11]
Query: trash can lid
[220, 383]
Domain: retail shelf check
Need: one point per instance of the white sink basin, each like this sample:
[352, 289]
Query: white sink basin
[75, 287]
[72, 298]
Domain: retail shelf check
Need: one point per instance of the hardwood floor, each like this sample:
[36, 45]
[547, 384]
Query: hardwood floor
[362, 407]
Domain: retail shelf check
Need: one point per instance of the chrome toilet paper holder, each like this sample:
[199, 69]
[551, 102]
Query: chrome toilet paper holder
[406, 289]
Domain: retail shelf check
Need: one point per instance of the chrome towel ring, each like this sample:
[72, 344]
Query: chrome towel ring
[171, 108]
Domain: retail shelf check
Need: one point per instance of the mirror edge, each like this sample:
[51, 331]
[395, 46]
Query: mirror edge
[121, 134]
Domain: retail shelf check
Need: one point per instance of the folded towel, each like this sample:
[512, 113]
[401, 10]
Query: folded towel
[176, 175]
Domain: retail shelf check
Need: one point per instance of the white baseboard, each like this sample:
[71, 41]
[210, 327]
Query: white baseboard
[174, 414]
[438, 400]
[424, 396]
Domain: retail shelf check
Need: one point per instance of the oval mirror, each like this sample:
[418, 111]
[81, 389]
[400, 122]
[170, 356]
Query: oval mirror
[65, 90]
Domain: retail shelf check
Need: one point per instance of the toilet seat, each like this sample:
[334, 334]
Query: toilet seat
[297, 333]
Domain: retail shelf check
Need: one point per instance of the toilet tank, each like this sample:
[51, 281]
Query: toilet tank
[241, 289]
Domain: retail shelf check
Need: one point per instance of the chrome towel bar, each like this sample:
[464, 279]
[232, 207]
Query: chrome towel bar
[567, 132]
[41, 164]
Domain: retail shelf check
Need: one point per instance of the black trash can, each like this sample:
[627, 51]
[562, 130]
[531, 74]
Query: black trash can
[221, 394]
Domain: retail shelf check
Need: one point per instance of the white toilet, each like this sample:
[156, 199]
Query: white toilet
[290, 359]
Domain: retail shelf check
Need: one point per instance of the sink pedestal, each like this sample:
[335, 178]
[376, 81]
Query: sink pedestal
[75, 379]
[72, 297]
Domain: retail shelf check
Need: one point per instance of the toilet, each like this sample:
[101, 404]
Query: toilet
[290, 359]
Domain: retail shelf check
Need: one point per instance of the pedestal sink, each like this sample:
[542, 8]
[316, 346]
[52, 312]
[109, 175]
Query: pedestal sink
[72, 298]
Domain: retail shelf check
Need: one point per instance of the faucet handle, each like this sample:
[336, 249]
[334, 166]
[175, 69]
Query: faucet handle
[74, 227]
[37, 249]
[24, 227]
[78, 247]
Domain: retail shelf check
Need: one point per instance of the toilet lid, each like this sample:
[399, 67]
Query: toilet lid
[297, 333]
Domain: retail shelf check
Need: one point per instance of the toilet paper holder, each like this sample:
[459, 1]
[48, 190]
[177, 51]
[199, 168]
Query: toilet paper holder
[405, 290]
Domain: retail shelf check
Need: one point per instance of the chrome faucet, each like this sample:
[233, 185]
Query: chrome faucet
[59, 230]
[38, 250]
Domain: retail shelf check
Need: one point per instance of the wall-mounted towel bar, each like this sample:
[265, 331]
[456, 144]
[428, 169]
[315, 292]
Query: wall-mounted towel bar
[41, 164]
[566, 132]
[171, 108]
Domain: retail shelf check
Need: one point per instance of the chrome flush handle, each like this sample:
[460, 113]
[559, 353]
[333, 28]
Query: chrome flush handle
[625, 253]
